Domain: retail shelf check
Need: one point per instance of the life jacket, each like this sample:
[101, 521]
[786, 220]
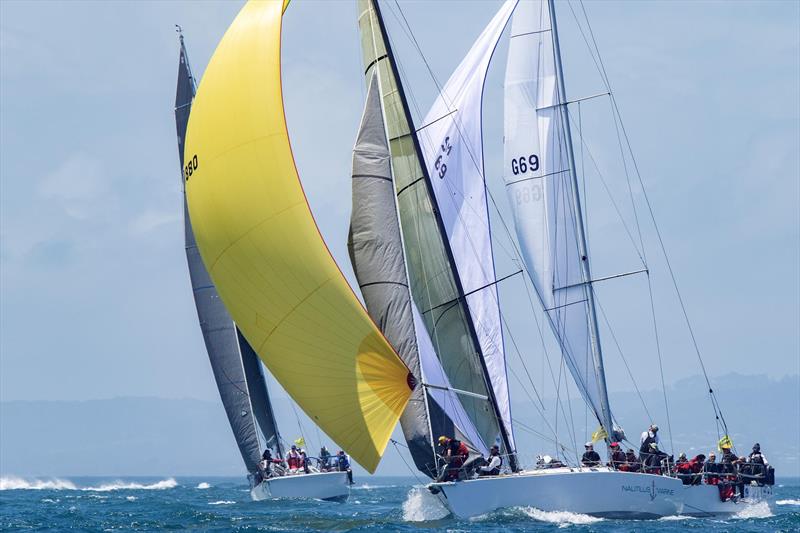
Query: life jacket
[757, 458]
[645, 447]
[293, 459]
[458, 455]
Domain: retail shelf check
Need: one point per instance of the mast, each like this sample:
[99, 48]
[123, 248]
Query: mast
[446, 245]
[594, 333]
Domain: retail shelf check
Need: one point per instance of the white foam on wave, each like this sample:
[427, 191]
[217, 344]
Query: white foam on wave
[754, 510]
[422, 506]
[222, 502]
[131, 498]
[120, 485]
[18, 483]
[788, 502]
[674, 518]
[203, 485]
[562, 518]
[367, 486]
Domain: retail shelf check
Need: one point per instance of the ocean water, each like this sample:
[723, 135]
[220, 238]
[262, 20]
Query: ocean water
[376, 504]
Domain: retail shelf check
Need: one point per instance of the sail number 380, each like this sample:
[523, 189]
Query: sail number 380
[523, 164]
[190, 167]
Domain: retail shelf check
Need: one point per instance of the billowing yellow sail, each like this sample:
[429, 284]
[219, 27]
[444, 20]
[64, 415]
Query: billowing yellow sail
[260, 243]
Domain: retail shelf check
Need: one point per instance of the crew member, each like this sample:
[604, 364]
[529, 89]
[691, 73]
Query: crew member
[652, 461]
[304, 460]
[343, 465]
[711, 468]
[632, 464]
[617, 456]
[757, 463]
[492, 468]
[324, 460]
[293, 459]
[590, 457]
[648, 437]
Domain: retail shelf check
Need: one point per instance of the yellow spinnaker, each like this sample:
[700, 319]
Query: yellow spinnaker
[260, 243]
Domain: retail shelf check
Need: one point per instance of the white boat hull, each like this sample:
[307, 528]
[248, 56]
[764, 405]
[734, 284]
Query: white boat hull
[320, 486]
[593, 491]
[703, 500]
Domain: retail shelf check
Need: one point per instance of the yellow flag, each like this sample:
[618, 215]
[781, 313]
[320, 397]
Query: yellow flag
[725, 442]
[600, 434]
[300, 441]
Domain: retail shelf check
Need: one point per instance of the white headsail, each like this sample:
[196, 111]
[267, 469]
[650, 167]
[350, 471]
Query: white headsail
[451, 139]
[540, 186]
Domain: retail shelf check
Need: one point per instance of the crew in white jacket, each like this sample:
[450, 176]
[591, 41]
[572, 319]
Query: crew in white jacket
[492, 468]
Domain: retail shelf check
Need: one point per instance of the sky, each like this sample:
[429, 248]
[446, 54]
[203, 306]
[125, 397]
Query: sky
[95, 300]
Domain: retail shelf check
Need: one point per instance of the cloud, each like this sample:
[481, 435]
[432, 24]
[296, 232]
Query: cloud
[151, 220]
[50, 253]
[78, 186]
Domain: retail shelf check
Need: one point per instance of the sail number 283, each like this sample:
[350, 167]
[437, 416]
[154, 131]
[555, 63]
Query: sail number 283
[523, 164]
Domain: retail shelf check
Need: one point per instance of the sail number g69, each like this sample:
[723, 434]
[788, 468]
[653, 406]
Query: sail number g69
[523, 164]
[190, 167]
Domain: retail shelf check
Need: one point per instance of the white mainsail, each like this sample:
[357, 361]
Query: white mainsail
[539, 183]
[451, 139]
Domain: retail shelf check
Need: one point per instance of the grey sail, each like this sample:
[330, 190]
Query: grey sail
[376, 253]
[435, 285]
[235, 366]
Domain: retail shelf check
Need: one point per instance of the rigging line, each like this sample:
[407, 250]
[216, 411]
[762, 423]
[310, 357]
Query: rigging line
[413, 472]
[608, 193]
[464, 296]
[658, 232]
[660, 361]
[714, 402]
[540, 411]
[410, 34]
[624, 360]
[486, 380]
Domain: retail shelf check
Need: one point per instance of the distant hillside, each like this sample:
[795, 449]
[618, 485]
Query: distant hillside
[150, 436]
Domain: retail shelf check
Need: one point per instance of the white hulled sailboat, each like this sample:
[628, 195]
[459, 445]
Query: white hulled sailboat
[445, 281]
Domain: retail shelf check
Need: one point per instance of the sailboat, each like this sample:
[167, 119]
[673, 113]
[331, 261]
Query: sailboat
[421, 247]
[236, 367]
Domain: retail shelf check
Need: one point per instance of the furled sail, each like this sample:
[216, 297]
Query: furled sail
[265, 254]
[376, 252]
[540, 188]
[434, 286]
[236, 368]
[452, 142]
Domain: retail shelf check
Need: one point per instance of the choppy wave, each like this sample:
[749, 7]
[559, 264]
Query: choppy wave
[754, 510]
[421, 506]
[787, 502]
[222, 502]
[17, 483]
[203, 485]
[560, 517]
[367, 486]
[120, 485]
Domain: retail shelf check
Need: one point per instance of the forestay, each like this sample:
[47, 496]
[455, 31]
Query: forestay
[537, 175]
[264, 252]
[376, 252]
[236, 369]
[451, 138]
[434, 286]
